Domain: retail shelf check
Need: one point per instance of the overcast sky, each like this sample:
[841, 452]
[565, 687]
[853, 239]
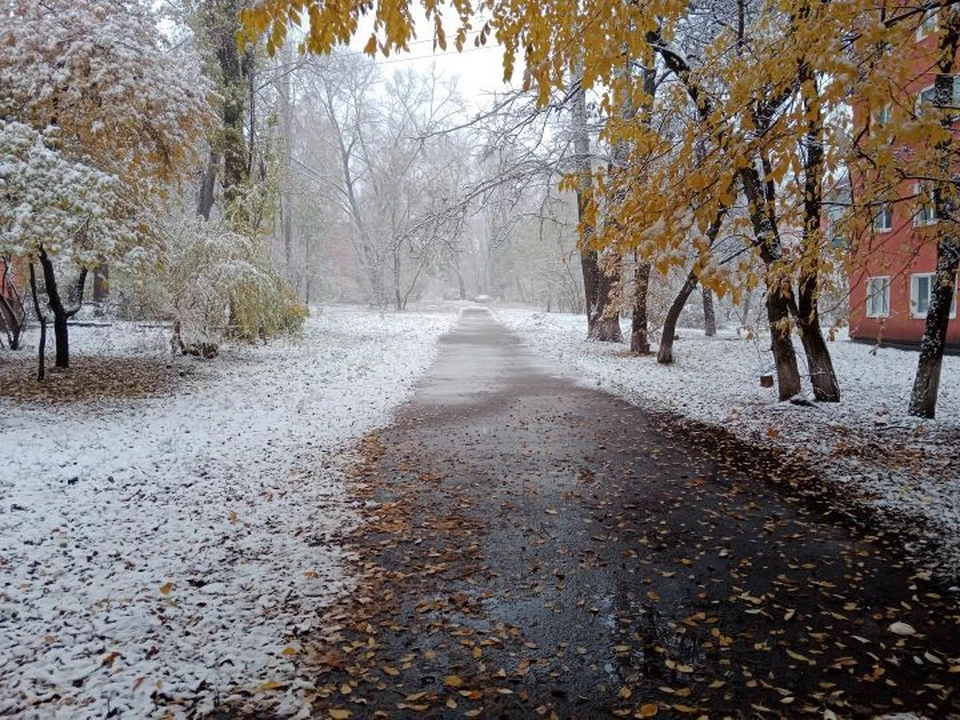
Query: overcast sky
[480, 70]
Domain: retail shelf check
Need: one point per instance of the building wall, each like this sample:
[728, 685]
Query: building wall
[903, 251]
[897, 255]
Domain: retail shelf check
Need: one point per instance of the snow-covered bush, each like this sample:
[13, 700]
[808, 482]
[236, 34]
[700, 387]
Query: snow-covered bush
[223, 284]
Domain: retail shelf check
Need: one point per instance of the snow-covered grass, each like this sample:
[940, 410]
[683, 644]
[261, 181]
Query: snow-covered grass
[906, 470]
[168, 550]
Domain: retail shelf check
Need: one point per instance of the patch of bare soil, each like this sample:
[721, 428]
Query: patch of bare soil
[91, 379]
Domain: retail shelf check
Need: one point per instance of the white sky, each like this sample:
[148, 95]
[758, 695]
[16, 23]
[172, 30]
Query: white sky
[479, 70]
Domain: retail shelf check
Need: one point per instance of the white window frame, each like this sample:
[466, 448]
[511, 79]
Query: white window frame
[915, 295]
[886, 209]
[932, 90]
[927, 212]
[873, 312]
[929, 24]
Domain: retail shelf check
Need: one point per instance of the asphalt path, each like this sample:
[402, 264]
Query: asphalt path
[532, 547]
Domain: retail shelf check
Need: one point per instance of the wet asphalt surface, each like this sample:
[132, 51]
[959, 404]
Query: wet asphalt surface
[534, 548]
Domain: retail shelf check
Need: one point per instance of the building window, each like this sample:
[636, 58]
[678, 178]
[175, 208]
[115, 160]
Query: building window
[883, 220]
[882, 115]
[926, 214]
[927, 96]
[878, 297]
[921, 290]
[928, 25]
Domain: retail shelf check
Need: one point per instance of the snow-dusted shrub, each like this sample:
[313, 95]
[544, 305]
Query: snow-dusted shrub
[223, 284]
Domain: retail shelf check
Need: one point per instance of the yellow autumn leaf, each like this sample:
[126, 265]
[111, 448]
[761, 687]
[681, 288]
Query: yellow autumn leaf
[339, 713]
[453, 681]
[166, 588]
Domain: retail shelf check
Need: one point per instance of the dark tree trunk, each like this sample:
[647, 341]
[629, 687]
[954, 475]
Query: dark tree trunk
[639, 337]
[781, 343]
[591, 284]
[665, 352]
[819, 363]
[709, 315]
[807, 313]
[926, 385]
[61, 313]
[778, 290]
[42, 345]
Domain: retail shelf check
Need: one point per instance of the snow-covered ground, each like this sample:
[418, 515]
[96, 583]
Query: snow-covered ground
[906, 470]
[168, 550]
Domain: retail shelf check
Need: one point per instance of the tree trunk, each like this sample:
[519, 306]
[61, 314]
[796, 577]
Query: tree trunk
[42, 345]
[593, 277]
[926, 385]
[606, 325]
[286, 181]
[639, 338]
[396, 279]
[208, 185]
[819, 364]
[60, 312]
[665, 352]
[778, 306]
[784, 357]
[709, 315]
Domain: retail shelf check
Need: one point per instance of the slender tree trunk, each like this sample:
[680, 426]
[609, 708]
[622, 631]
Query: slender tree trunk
[926, 384]
[807, 313]
[639, 337]
[665, 351]
[589, 259]
[778, 290]
[208, 185]
[42, 345]
[286, 125]
[396, 279]
[819, 363]
[61, 314]
[709, 315]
